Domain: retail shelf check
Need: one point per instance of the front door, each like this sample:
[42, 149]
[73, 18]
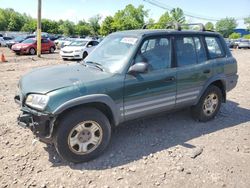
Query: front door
[155, 90]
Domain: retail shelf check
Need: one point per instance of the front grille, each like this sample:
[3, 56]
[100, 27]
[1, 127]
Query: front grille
[67, 52]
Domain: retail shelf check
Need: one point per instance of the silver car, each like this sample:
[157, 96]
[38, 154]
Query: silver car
[244, 44]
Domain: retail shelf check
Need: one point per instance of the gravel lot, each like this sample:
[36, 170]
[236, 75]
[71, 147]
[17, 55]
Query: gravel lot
[154, 152]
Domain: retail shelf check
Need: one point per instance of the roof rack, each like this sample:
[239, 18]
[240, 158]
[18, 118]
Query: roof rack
[202, 27]
[173, 25]
[178, 26]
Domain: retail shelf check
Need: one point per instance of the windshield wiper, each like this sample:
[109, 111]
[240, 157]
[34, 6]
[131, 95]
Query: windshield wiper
[97, 65]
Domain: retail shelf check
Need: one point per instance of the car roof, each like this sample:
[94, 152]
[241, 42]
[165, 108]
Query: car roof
[142, 32]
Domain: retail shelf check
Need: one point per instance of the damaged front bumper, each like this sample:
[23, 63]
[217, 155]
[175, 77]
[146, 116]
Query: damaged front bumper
[40, 124]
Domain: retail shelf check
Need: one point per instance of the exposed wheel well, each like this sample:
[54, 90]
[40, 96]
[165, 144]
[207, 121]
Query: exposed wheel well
[98, 105]
[220, 85]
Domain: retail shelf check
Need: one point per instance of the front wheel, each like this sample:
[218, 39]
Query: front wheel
[84, 55]
[32, 51]
[208, 105]
[82, 135]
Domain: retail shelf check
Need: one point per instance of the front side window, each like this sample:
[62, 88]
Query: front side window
[155, 52]
[185, 51]
[214, 47]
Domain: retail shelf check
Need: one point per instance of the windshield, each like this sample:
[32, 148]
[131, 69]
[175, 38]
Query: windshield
[113, 52]
[29, 41]
[20, 38]
[78, 43]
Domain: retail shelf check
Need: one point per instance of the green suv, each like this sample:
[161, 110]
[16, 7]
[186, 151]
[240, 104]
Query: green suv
[131, 74]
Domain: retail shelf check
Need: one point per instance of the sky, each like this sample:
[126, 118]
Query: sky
[76, 10]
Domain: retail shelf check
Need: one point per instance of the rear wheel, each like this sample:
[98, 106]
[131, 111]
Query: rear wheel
[82, 135]
[51, 50]
[32, 51]
[209, 104]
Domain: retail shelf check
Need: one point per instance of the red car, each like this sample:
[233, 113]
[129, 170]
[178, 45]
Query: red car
[29, 46]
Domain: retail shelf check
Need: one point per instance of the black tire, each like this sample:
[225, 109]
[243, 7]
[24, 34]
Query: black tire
[198, 111]
[64, 59]
[52, 50]
[69, 123]
[32, 51]
[84, 55]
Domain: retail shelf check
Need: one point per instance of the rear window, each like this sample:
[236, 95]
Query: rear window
[214, 47]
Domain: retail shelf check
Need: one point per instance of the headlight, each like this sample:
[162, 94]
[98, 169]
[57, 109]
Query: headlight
[37, 101]
[77, 50]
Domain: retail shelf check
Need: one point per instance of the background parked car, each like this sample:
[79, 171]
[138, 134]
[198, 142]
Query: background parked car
[244, 44]
[78, 49]
[18, 39]
[29, 46]
[63, 41]
[2, 42]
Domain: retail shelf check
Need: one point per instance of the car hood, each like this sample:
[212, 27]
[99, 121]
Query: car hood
[47, 79]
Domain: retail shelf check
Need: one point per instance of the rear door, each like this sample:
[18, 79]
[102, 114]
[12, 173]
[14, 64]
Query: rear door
[155, 90]
[193, 68]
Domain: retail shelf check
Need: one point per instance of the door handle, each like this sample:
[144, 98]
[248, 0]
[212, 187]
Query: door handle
[169, 79]
[206, 71]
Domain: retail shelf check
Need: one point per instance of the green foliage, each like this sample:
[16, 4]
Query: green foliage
[129, 18]
[94, 24]
[177, 15]
[164, 19]
[209, 26]
[11, 20]
[226, 26]
[106, 27]
[234, 35]
[50, 26]
[67, 28]
[30, 26]
[151, 23]
[82, 28]
[247, 22]
[246, 36]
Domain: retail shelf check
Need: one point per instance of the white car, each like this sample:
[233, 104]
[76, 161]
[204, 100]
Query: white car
[2, 42]
[78, 49]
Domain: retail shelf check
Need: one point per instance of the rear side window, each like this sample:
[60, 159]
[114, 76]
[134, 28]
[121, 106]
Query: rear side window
[185, 51]
[200, 50]
[45, 41]
[214, 47]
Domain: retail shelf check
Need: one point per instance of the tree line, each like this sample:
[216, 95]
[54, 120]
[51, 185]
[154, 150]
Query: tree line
[128, 18]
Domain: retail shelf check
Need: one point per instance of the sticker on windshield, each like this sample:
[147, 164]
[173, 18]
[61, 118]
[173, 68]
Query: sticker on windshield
[129, 40]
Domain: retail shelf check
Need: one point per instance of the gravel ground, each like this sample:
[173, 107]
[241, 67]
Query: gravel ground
[168, 150]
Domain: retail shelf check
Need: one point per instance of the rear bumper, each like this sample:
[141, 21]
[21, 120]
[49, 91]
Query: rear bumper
[232, 81]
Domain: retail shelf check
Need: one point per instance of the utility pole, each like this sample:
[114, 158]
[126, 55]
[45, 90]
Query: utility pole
[39, 28]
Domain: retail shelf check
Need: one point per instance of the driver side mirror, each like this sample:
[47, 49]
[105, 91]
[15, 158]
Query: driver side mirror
[140, 67]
